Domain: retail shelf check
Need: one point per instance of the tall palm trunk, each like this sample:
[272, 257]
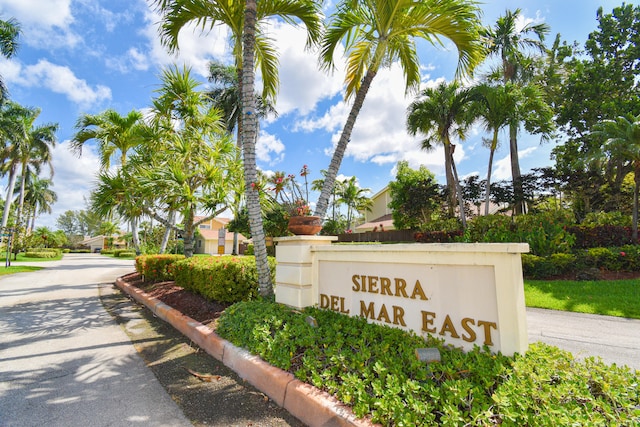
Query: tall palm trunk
[188, 233]
[338, 154]
[451, 186]
[7, 202]
[494, 144]
[171, 218]
[23, 184]
[135, 238]
[518, 192]
[456, 181]
[249, 149]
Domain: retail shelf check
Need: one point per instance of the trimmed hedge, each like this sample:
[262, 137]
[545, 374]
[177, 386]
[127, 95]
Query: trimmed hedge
[155, 268]
[623, 258]
[42, 254]
[220, 278]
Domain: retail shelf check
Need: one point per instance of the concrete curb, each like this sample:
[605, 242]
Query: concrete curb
[309, 404]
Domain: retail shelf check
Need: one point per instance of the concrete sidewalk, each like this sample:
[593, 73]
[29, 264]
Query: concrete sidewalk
[614, 339]
[64, 361]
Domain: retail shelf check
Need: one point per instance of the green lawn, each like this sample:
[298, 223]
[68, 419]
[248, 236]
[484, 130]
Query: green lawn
[22, 258]
[17, 269]
[614, 298]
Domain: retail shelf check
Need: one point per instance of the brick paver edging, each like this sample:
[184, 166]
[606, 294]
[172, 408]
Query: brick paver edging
[309, 404]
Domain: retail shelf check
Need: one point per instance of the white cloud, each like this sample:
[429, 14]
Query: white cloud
[73, 181]
[379, 135]
[49, 13]
[45, 24]
[196, 48]
[302, 84]
[133, 59]
[269, 148]
[57, 79]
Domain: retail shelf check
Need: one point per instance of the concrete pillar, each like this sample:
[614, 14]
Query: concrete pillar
[294, 284]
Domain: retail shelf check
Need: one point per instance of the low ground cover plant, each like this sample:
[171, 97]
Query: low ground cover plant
[374, 369]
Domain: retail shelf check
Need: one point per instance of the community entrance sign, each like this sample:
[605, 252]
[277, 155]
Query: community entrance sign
[466, 294]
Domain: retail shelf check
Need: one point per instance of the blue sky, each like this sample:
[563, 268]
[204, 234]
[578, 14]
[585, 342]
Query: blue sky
[84, 56]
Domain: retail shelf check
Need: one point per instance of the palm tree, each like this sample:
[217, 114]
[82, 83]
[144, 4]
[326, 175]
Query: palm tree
[29, 148]
[439, 113]
[380, 32]
[622, 141]
[509, 43]
[196, 165]
[39, 196]
[225, 95]
[113, 133]
[244, 22]
[9, 32]
[354, 197]
[492, 106]
[11, 115]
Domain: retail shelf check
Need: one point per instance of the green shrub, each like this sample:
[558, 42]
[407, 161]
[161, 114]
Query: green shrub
[545, 232]
[156, 268]
[44, 254]
[124, 254]
[119, 252]
[598, 219]
[373, 369]
[491, 228]
[220, 278]
[107, 251]
[249, 250]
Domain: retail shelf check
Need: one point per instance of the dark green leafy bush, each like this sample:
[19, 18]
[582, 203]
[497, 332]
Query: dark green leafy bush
[220, 278]
[600, 236]
[124, 254]
[155, 268]
[373, 369]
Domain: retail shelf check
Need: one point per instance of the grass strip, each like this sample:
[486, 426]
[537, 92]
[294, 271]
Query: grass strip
[613, 298]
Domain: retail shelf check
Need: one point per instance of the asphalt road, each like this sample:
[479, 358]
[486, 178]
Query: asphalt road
[614, 339]
[64, 361]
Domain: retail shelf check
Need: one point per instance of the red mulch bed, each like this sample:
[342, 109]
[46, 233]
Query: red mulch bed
[186, 302]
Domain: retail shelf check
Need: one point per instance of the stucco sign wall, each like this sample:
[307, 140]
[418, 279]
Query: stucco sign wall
[457, 303]
[466, 294]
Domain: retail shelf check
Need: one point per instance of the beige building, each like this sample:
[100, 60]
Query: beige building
[379, 217]
[97, 243]
[211, 238]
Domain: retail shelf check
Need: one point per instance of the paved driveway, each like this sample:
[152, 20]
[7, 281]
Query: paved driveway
[614, 339]
[64, 361]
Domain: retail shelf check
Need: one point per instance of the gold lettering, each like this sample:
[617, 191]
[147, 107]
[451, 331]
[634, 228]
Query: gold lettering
[324, 301]
[356, 285]
[334, 302]
[447, 326]
[417, 290]
[465, 325]
[401, 287]
[398, 316]
[373, 284]
[342, 309]
[487, 330]
[384, 315]
[367, 311]
[427, 319]
[385, 286]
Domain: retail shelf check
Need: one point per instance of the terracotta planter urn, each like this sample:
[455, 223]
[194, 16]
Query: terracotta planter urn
[305, 225]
